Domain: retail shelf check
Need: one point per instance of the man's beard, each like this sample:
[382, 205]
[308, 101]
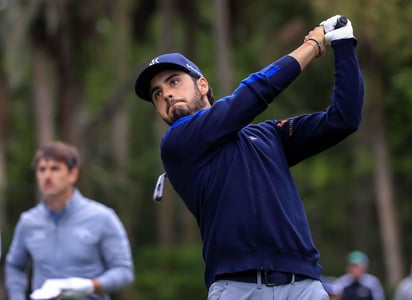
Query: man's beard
[179, 113]
[196, 104]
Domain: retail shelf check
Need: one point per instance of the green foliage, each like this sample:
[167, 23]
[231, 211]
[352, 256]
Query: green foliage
[336, 186]
[170, 273]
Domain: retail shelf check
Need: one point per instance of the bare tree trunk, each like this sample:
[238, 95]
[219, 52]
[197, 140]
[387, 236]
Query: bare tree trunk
[39, 35]
[120, 132]
[188, 233]
[223, 46]
[70, 91]
[43, 103]
[65, 63]
[385, 200]
[120, 129]
[165, 211]
[4, 134]
[384, 193]
[384, 190]
[189, 16]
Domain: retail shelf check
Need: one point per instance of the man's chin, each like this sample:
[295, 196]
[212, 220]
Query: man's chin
[49, 193]
[178, 113]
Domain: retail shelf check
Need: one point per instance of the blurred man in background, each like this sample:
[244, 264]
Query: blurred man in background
[357, 284]
[330, 288]
[404, 288]
[76, 247]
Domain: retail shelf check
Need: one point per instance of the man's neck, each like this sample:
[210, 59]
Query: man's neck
[58, 202]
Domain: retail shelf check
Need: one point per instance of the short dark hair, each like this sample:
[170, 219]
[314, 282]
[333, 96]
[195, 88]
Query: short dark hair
[59, 151]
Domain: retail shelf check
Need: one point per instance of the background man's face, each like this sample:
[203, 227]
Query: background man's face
[54, 178]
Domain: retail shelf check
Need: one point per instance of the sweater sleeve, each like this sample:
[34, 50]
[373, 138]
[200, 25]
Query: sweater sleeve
[306, 135]
[117, 255]
[207, 129]
[17, 258]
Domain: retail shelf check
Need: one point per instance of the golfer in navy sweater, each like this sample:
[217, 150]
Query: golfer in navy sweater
[234, 175]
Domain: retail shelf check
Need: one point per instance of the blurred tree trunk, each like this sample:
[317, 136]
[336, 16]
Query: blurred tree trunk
[76, 25]
[4, 134]
[43, 100]
[120, 129]
[171, 212]
[43, 85]
[70, 94]
[5, 119]
[165, 211]
[384, 187]
[222, 39]
[190, 17]
[120, 132]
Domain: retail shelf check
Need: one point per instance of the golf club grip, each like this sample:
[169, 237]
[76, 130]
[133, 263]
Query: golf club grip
[341, 22]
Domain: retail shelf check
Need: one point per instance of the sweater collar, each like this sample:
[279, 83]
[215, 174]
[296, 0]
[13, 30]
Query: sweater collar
[74, 201]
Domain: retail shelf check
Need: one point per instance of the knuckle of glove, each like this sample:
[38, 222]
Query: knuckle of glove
[78, 287]
[330, 23]
[344, 32]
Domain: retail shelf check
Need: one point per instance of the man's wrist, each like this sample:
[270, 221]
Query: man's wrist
[97, 286]
[320, 48]
[314, 46]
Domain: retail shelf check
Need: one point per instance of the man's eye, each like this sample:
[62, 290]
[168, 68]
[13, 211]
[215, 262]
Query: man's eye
[174, 82]
[157, 94]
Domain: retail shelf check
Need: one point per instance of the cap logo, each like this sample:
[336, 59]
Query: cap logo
[154, 61]
[192, 69]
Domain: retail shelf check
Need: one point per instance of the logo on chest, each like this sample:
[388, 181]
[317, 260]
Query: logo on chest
[83, 234]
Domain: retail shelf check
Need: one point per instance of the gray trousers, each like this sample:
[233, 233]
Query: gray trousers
[235, 290]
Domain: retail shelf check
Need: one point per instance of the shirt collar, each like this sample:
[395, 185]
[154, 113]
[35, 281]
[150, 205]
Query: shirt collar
[70, 204]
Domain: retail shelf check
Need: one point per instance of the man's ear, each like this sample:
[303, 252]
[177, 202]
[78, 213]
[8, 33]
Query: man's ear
[74, 175]
[203, 85]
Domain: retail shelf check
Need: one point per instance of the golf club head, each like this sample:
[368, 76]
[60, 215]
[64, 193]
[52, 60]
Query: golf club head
[158, 191]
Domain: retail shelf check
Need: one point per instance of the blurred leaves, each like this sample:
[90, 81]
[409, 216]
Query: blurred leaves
[336, 186]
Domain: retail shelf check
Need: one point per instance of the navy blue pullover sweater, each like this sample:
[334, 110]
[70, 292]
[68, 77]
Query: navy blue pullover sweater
[234, 175]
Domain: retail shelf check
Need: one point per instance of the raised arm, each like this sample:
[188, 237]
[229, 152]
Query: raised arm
[312, 47]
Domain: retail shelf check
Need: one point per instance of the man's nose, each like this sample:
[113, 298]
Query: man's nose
[167, 94]
[169, 99]
[47, 173]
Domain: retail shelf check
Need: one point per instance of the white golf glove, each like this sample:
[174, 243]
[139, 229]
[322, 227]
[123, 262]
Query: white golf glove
[332, 34]
[76, 287]
[70, 288]
[45, 293]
